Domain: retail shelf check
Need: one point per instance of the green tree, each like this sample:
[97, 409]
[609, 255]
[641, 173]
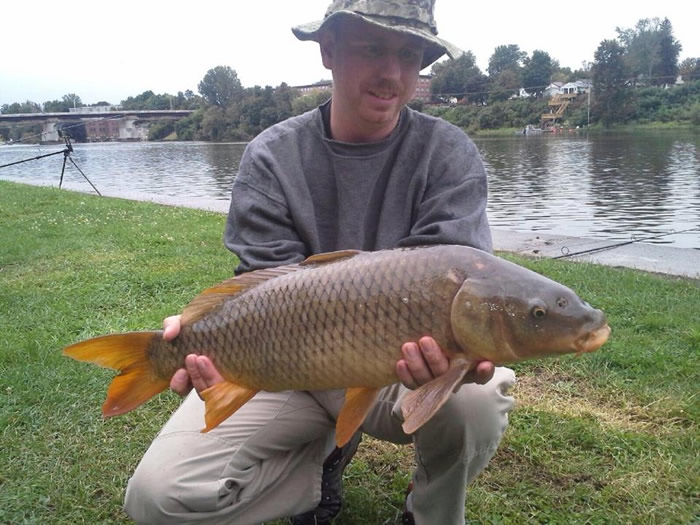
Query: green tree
[669, 48]
[537, 72]
[583, 73]
[188, 128]
[147, 101]
[461, 78]
[309, 101]
[72, 100]
[220, 86]
[160, 130]
[283, 97]
[609, 83]
[562, 74]
[56, 106]
[214, 124]
[506, 58]
[68, 101]
[257, 110]
[505, 85]
[689, 69]
[138, 102]
[23, 107]
[694, 114]
[651, 50]
[505, 68]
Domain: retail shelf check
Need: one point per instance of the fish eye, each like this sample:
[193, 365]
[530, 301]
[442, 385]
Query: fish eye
[538, 312]
[562, 302]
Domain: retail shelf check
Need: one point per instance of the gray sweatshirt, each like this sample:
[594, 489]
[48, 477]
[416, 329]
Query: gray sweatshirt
[299, 193]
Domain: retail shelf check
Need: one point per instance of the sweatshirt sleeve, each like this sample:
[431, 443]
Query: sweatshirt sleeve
[452, 209]
[259, 228]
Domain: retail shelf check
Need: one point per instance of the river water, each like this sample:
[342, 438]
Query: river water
[621, 186]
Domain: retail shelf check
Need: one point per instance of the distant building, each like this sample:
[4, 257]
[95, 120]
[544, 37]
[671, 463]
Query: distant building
[102, 130]
[570, 88]
[423, 88]
[578, 87]
[553, 89]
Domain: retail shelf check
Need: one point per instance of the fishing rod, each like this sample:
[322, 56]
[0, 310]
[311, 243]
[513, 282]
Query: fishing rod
[616, 245]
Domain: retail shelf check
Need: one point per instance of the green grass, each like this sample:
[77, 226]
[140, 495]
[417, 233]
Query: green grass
[611, 437]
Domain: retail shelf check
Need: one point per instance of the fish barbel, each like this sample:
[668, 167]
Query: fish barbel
[338, 320]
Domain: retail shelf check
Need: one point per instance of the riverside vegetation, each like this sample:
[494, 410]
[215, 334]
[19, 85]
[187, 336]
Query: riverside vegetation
[633, 82]
[610, 437]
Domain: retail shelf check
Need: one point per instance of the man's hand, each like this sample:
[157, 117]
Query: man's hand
[425, 361]
[199, 372]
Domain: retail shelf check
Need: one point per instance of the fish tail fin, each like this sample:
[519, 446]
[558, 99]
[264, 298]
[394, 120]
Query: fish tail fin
[419, 405]
[127, 353]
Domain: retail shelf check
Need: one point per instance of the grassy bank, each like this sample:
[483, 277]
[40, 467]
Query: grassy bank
[607, 438]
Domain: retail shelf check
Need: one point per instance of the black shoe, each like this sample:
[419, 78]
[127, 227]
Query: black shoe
[407, 516]
[331, 485]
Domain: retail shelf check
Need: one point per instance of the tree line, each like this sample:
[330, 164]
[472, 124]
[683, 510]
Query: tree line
[633, 78]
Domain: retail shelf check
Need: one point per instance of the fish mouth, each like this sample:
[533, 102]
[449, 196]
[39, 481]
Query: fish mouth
[591, 341]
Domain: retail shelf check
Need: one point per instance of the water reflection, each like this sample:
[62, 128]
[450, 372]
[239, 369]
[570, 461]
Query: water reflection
[644, 186]
[621, 187]
[617, 186]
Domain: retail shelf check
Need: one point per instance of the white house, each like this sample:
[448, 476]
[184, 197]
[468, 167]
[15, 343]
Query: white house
[553, 89]
[578, 87]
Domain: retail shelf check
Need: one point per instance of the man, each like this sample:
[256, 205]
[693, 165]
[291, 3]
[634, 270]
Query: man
[360, 172]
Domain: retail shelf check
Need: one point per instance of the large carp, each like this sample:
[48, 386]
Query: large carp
[338, 320]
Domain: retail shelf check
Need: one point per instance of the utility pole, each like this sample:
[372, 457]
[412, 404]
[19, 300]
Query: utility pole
[588, 108]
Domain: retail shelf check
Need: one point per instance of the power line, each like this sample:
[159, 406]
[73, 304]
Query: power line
[515, 90]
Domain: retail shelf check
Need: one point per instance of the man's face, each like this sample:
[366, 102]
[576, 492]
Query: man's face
[374, 75]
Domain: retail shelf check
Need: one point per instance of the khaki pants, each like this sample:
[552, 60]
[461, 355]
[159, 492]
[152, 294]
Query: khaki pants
[265, 461]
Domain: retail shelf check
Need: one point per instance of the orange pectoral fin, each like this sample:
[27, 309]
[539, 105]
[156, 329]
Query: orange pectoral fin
[222, 400]
[421, 404]
[358, 402]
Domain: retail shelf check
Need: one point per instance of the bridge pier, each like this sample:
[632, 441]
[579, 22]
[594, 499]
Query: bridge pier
[89, 124]
[131, 129]
[48, 130]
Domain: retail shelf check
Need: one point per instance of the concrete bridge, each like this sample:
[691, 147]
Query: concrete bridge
[99, 126]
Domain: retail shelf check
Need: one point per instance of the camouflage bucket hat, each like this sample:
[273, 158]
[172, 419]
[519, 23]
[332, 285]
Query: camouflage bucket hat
[414, 17]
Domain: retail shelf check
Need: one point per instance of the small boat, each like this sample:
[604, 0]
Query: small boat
[531, 130]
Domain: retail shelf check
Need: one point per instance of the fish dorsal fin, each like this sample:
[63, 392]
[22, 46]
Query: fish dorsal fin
[212, 297]
[329, 257]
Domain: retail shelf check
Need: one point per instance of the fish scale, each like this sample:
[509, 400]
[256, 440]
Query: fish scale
[286, 321]
[339, 320]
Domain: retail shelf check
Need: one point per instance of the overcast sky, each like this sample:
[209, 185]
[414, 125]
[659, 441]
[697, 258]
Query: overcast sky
[113, 50]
